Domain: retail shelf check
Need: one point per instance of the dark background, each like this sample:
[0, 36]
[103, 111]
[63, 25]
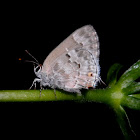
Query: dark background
[39, 28]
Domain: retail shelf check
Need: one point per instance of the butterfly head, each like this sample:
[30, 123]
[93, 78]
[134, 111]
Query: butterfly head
[42, 77]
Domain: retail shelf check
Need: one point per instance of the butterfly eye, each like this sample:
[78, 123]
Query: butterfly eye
[90, 74]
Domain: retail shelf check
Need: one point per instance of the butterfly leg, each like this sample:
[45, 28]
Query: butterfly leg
[55, 93]
[41, 88]
[37, 71]
[34, 82]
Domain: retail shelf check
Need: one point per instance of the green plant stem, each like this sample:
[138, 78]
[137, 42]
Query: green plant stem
[34, 96]
[98, 95]
[49, 95]
[106, 96]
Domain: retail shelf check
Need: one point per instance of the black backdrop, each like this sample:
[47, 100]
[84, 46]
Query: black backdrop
[39, 30]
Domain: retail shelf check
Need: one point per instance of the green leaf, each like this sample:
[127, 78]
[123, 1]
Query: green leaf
[131, 101]
[124, 123]
[112, 74]
[133, 88]
[136, 96]
[130, 76]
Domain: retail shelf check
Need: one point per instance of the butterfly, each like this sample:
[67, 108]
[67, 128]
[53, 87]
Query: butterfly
[74, 64]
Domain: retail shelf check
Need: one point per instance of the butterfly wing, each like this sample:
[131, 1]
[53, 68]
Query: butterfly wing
[74, 64]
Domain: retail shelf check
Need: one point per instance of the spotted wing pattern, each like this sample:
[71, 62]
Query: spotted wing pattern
[75, 63]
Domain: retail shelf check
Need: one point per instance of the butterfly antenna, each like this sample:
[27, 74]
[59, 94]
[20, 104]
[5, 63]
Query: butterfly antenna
[33, 58]
[32, 62]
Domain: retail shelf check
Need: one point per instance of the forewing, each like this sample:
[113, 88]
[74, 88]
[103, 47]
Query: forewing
[85, 37]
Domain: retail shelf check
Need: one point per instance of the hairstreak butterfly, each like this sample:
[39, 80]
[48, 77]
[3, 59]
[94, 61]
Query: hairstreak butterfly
[74, 64]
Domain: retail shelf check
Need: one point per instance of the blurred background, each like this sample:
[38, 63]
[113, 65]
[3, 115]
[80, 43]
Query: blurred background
[39, 29]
